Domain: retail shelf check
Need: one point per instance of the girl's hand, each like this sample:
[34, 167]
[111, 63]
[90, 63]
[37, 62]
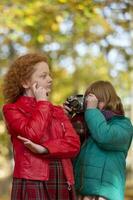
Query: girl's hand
[35, 148]
[91, 101]
[40, 93]
[66, 109]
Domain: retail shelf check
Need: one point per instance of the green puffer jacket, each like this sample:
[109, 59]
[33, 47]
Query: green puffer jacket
[100, 165]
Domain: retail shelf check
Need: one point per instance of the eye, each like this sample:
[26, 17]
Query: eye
[43, 75]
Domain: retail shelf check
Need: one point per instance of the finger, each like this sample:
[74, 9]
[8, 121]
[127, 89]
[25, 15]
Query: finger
[27, 143]
[66, 102]
[41, 89]
[22, 138]
[91, 94]
[67, 108]
[94, 96]
[34, 86]
[89, 98]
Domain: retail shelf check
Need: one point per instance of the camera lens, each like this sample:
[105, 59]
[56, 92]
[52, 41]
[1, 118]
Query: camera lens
[75, 102]
[75, 105]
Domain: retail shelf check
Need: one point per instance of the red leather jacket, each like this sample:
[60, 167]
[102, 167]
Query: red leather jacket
[44, 124]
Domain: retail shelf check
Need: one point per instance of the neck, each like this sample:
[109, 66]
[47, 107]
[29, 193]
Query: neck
[28, 93]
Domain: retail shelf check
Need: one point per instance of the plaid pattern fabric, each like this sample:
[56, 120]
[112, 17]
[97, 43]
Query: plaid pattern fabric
[80, 126]
[55, 188]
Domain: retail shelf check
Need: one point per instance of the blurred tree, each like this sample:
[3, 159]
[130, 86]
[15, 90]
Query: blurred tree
[85, 40]
[60, 27]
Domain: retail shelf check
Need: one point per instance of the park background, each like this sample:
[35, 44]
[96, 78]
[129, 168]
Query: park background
[86, 40]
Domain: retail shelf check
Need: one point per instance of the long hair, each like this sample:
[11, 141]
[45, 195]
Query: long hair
[105, 92]
[19, 71]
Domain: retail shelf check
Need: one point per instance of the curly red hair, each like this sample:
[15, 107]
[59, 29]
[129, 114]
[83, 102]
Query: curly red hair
[19, 71]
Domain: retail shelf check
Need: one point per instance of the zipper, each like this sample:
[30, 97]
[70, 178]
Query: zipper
[63, 127]
[69, 186]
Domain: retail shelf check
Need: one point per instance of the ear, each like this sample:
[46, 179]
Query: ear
[25, 84]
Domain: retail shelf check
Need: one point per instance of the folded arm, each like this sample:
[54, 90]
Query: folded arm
[33, 127]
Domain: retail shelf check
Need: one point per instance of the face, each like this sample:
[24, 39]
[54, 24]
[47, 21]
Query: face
[101, 105]
[41, 76]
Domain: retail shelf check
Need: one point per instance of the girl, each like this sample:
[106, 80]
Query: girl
[100, 166]
[28, 113]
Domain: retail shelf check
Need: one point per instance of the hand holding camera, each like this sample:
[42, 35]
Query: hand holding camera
[74, 104]
[74, 107]
[77, 103]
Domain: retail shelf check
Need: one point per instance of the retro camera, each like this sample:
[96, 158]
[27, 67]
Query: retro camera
[76, 103]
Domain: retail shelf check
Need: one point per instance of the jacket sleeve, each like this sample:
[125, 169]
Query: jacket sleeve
[115, 136]
[34, 127]
[66, 147]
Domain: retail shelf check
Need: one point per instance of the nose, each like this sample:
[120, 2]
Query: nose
[50, 78]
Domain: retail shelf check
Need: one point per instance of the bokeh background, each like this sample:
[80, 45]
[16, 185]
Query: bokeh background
[86, 40]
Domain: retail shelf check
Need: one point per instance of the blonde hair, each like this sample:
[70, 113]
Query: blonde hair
[106, 93]
[19, 71]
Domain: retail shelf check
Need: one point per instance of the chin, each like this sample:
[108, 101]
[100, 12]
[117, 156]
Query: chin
[48, 90]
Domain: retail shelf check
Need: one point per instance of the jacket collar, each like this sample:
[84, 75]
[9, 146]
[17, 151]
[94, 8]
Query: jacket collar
[26, 99]
[26, 103]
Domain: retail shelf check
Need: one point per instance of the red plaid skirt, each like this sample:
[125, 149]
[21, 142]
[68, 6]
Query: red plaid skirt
[55, 188]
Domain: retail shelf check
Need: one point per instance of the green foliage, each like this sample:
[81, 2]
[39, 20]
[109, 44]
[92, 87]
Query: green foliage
[76, 31]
